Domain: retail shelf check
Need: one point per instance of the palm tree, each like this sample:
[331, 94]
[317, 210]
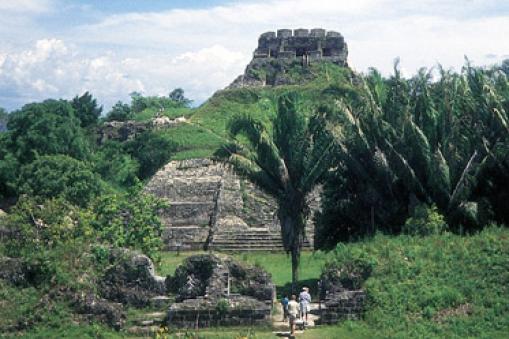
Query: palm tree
[287, 159]
[414, 141]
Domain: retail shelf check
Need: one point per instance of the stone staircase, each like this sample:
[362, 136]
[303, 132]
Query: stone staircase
[252, 239]
[147, 323]
[212, 207]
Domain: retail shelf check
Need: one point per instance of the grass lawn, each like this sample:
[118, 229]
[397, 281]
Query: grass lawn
[276, 263]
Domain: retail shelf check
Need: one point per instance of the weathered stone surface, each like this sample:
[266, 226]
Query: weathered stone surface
[232, 311]
[121, 130]
[215, 290]
[276, 53]
[218, 276]
[211, 207]
[341, 293]
[100, 309]
[131, 279]
[13, 270]
[345, 305]
[128, 130]
[347, 276]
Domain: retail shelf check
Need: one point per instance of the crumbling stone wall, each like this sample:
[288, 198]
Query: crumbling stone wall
[201, 312]
[205, 286]
[342, 305]
[128, 130]
[278, 52]
[313, 45]
[341, 293]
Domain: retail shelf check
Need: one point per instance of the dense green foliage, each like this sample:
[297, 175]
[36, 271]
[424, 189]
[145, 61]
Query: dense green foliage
[115, 165]
[419, 286]
[403, 143]
[60, 175]
[120, 112]
[46, 128]
[129, 220]
[152, 151]
[287, 160]
[86, 109]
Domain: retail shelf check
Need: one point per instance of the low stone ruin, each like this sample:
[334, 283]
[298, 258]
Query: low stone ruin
[342, 305]
[341, 295]
[131, 279]
[213, 290]
[128, 130]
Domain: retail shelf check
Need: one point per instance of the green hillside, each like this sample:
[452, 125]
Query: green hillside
[206, 131]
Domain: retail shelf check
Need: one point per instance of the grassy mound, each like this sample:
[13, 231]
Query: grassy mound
[206, 131]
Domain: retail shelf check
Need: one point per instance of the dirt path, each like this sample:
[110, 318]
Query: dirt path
[282, 328]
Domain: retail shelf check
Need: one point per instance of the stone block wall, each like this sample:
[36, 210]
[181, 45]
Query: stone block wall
[201, 312]
[345, 305]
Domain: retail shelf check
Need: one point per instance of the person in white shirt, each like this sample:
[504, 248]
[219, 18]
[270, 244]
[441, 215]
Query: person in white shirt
[293, 312]
[304, 300]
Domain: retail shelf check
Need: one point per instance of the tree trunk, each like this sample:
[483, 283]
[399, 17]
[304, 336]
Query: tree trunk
[295, 266]
[292, 234]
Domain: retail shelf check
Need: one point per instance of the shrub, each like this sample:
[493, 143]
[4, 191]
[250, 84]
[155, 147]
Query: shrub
[349, 268]
[425, 221]
[130, 220]
[222, 307]
[152, 151]
[60, 176]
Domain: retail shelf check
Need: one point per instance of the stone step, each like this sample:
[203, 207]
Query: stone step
[245, 247]
[146, 331]
[241, 239]
[150, 319]
[250, 241]
[160, 301]
[246, 236]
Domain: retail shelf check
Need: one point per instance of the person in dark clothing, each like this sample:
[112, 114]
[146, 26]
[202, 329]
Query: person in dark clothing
[284, 302]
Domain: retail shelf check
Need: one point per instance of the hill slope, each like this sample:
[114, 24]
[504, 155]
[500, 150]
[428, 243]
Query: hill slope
[205, 131]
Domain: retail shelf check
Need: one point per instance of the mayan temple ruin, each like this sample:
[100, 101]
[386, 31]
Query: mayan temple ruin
[309, 45]
[278, 51]
[212, 207]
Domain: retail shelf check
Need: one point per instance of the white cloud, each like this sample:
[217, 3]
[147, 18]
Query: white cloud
[203, 50]
[53, 69]
[34, 6]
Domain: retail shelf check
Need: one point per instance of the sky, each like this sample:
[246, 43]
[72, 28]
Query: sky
[62, 48]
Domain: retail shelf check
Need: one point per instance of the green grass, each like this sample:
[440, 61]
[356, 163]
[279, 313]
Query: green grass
[414, 280]
[277, 263]
[172, 113]
[206, 130]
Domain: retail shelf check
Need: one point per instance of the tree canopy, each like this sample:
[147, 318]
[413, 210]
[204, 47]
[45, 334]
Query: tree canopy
[86, 109]
[46, 128]
[287, 159]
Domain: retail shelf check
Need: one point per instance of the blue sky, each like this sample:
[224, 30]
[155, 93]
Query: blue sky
[60, 48]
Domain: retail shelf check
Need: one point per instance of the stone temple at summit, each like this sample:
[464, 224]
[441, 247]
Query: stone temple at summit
[309, 45]
[278, 52]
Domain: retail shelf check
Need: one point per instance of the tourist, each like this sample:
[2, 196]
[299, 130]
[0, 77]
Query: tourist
[304, 300]
[293, 312]
[284, 303]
